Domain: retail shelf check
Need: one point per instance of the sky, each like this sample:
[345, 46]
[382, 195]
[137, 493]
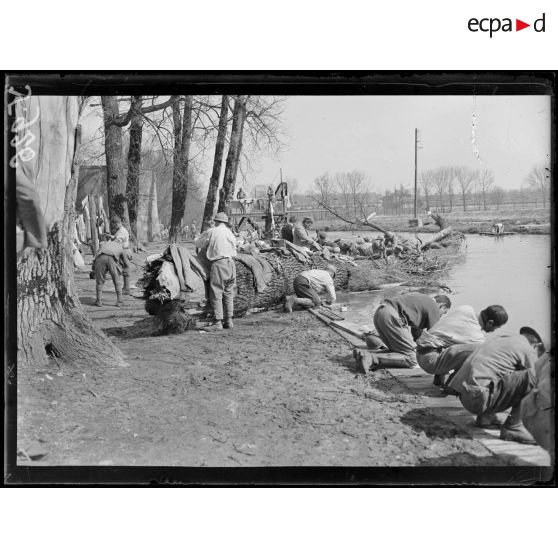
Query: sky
[375, 134]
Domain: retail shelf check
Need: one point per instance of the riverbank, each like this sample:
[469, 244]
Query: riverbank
[529, 221]
[277, 390]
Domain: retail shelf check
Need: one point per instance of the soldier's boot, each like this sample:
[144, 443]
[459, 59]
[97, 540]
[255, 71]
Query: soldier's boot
[228, 323]
[368, 361]
[126, 289]
[488, 421]
[513, 430]
[291, 300]
[217, 325]
[119, 301]
[439, 380]
[99, 299]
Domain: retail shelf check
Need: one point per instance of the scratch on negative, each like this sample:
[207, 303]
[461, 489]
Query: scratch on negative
[474, 136]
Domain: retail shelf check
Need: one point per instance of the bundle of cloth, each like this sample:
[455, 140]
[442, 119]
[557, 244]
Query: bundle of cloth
[178, 274]
[174, 274]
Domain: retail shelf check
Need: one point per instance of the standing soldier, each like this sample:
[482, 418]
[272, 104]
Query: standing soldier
[194, 230]
[121, 235]
[220, 251]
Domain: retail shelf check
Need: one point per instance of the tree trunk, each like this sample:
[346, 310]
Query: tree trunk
[116, 184]
[93, 224]
[153, 228]
[50, 318]
[134, 164]
[181, 153]
[233, 155]
[211, 200]
[236, 162]
[142, 224]
[438, 236]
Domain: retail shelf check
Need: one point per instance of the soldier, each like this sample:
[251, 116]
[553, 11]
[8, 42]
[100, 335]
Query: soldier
[111, 259]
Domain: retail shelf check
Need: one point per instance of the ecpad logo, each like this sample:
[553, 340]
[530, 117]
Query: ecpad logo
[494, 24]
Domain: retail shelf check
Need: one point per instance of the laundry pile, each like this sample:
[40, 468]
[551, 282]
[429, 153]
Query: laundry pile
[174, 274]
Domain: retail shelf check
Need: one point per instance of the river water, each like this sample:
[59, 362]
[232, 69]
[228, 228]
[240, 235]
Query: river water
[513, 271]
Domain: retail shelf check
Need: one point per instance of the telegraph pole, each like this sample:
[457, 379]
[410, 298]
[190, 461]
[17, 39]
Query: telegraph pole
[416, 149]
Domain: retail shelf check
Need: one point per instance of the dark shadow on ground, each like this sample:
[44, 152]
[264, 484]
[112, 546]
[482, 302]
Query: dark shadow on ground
[468, 460]
[146, 327]
[384, 381]
[347, 362]
[432, 424]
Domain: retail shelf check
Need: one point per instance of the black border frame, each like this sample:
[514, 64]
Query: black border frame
[262, 82]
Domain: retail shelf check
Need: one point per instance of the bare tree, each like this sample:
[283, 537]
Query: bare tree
[217, 163]
[114, 122]
[343, 188]
[539, 179]
[450, 189]
[359, 190]
[233, 155]
[485, 181]
[465, 178]
[498, 195]
[427, 183]
[323, 189]
[134, 163]
[116, 185]
[182, 127]
[442, 177]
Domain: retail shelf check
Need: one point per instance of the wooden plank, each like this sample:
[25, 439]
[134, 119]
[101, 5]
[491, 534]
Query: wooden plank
[355, 341]
[346, 329]
[328, 313]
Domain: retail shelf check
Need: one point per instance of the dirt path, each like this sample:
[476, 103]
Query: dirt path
[277, 390]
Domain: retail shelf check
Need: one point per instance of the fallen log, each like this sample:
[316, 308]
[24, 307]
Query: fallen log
[437, 237]
[174, 316]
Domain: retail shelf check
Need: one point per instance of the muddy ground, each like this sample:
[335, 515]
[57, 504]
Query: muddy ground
[277, 390]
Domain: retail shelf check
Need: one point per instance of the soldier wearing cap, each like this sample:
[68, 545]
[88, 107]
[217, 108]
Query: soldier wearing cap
[220, 251]
[497, 377]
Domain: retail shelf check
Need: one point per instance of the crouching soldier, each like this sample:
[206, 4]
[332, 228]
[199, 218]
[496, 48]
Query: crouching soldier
[392, 244]
[378, 248]
[537, 409]
[111, 259]
[447, 345]
[497, 376]
[400, 321]
[309, 285]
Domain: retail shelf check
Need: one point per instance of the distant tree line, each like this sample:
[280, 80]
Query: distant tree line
[349, 192]
[459, 187]
[444, 189]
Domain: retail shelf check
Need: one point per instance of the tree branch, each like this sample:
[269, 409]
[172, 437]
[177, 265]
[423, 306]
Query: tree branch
[356, 222]
[124, 119]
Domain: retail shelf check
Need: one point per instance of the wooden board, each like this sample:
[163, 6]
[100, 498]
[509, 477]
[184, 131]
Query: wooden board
[495, 234]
